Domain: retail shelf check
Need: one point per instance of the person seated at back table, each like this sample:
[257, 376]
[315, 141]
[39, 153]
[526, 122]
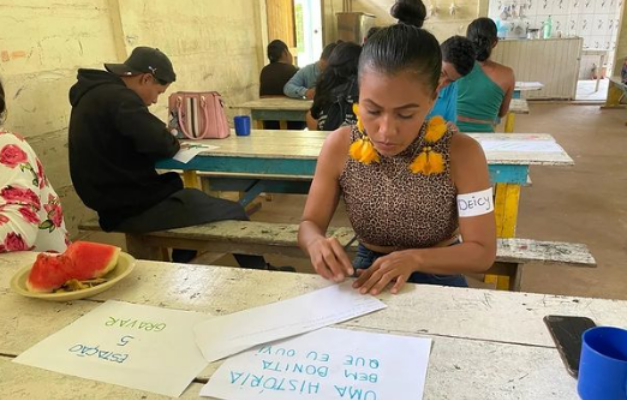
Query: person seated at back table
[274, 76]
[114, 142]
[337, 90]
[458, 59]
[31, 217]
[404, 180]
[483, 96]
[302, 85]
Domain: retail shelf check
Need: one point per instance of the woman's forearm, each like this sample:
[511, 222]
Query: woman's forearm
[468, 257]
[308, 232]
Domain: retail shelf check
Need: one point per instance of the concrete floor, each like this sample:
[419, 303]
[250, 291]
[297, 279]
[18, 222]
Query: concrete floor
[586, 90]
[586, 203]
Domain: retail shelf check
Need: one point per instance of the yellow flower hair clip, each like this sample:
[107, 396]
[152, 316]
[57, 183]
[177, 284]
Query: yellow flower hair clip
[362, 149]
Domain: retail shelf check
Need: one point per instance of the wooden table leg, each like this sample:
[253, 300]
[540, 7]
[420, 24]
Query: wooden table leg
[190, 180]
[283, 124]
[509, 122]
[505, 276]
[205, 183]
[506, 209]
[599, 72]
[506, 214]
[136, 246]
[258, 124]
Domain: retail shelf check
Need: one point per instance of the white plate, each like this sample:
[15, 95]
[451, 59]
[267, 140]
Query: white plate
[125, 266]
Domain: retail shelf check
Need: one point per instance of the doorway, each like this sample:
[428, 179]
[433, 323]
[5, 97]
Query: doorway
[308, 21]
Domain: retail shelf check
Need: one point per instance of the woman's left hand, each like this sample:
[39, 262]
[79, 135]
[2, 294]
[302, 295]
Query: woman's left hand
[395, 267]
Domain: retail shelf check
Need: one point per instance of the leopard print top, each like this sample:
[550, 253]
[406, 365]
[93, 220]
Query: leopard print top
[388, 205]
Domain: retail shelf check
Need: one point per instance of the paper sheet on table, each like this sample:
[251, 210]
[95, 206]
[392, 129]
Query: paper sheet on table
[326, 364]
[224, 336]
[189, 151]
[537, 146]
[136, 346]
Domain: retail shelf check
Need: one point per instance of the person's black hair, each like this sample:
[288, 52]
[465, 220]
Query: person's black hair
[328, 50]
[372, 31]
[409, 12]
[276, 48]
[460, 52]
[341, 67]
[399, 48]
[482, 33]
[3, 103]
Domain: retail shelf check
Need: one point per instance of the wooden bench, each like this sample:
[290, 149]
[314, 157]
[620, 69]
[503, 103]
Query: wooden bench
[258, 238]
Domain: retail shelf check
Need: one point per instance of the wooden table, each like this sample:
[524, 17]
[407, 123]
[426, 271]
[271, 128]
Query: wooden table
[521, 87]
[516, 106]
[281, 109]
[617, 91]
[475, 354]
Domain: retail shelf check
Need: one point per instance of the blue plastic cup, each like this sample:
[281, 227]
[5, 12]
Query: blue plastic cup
[603, 365]
[242, 125]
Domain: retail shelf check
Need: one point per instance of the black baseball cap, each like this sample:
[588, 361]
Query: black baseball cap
[145, 60]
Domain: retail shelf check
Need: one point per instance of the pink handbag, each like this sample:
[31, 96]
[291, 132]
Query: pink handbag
[197, 115]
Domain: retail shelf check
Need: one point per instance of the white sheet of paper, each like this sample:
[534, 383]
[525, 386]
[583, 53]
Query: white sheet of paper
[136, 346]
[186, 154]
[326, 364]
[224, 336]
[536, 146]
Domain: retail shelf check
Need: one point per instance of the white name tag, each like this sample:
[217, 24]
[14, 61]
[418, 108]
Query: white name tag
[477, 203]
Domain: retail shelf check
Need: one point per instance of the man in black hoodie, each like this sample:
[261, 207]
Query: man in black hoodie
[114, 142]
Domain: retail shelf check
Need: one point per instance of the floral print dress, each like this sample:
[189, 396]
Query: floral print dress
[31, 217]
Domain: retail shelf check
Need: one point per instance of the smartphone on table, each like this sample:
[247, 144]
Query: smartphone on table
[566, 332]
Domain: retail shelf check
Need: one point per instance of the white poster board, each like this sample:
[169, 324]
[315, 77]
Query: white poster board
[326, 364]
[136, 346]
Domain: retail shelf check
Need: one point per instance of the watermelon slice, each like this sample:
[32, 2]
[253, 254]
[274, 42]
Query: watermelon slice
[49, 272]
[92, 260]
[81, 261]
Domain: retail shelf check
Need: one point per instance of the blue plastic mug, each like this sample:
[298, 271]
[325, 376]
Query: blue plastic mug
[242, 125]
[603, 365]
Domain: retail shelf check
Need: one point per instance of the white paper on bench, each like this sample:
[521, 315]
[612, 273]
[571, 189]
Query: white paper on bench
[190, 150]
[137, 346]
[224, 336]
[532, 146]
[326, 364]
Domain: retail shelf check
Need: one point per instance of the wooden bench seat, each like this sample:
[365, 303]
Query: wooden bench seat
[258, 238]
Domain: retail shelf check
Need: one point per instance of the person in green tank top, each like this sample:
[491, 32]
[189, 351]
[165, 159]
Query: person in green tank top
[483, 96]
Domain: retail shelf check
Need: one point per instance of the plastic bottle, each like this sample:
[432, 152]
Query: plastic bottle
[548, 24]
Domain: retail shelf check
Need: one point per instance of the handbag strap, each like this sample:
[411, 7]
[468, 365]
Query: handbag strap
[203, 105]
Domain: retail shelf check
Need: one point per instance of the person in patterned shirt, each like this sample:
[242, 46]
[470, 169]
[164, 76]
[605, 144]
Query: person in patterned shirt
[31, 217]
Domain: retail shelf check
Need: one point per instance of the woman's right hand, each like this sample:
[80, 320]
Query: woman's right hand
[329, 259]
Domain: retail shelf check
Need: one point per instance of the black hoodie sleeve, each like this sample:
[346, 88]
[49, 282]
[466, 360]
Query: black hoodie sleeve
[151, 138]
